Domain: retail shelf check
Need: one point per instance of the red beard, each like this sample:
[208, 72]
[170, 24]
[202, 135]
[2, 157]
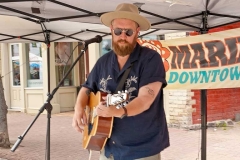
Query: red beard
[125, 49]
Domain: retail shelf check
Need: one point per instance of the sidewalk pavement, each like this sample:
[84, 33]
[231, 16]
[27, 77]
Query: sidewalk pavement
[66, 143]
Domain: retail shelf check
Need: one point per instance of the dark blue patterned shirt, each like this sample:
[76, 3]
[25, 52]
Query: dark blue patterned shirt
[145, 134]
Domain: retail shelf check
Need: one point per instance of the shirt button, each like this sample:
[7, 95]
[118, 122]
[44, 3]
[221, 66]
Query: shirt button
[113, 142]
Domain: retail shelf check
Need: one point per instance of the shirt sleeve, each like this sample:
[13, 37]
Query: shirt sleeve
[153, 70]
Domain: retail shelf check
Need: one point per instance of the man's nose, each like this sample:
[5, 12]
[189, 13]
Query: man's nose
[123, 35]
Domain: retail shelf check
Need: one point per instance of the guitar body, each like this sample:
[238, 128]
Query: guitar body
[99, 128]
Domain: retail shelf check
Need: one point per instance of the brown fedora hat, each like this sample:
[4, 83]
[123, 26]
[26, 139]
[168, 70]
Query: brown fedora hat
[128, 11]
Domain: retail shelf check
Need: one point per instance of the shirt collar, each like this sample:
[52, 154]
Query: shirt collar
[132, 58]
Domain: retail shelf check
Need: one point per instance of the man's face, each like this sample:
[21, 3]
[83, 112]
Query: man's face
[124, 36]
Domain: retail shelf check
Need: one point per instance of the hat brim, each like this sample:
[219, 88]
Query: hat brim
[143, 23]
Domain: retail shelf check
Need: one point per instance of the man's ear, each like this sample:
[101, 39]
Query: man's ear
[138, 31]
[111, 28]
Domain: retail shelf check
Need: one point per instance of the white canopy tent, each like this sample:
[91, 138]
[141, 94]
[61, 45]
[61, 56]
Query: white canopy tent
[32, 58]
[75, 20]
[13, 27]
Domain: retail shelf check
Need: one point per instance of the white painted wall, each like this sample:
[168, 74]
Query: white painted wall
[94, 54]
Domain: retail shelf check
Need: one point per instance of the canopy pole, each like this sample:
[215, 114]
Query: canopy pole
[203, 98]
[204, 124]
[48, 106]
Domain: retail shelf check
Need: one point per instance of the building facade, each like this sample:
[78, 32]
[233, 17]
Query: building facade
[27, 82]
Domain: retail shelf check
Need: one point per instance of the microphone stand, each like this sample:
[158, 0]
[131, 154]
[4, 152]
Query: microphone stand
[47, 105]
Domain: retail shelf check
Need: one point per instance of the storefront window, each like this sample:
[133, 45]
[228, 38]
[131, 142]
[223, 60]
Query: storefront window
[105, 46]
[15, 64]
[63, 61]
[150, 37]
[34, 67]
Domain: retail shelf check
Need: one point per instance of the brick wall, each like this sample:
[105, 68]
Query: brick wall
[221, 104]
[180, 107]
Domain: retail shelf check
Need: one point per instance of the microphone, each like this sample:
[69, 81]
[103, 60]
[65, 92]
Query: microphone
[96, 39]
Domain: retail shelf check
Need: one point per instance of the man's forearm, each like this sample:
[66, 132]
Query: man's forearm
[145, 98]
[82, 98]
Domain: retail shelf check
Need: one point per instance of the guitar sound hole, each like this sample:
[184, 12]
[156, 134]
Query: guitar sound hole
[90, 126]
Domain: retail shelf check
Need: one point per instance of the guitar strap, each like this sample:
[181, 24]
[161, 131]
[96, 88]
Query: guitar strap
[124, 77]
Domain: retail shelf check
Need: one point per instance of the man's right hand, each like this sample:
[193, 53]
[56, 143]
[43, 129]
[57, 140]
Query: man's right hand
[79, 117]
[79, 120]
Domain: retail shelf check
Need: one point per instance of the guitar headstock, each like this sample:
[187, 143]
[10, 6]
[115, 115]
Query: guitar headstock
[120, 99]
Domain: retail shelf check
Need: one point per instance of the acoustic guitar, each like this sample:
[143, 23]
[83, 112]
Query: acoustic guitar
[99, 129]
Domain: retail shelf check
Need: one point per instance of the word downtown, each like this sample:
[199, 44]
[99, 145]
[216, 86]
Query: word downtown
[216, 75]
[208, 69]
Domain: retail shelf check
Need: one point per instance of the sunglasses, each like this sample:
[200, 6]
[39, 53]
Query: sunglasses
[118, 32]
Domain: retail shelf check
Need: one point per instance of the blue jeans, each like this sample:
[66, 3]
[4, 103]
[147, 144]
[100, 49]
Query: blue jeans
[154, 157]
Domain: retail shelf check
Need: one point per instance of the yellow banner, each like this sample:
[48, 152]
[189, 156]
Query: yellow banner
[206, 61]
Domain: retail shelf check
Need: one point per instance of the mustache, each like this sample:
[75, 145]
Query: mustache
[122, 40]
